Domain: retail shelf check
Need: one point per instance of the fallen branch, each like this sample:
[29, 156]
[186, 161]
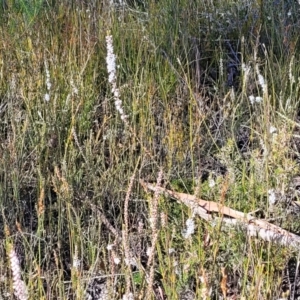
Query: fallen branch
[211, 211]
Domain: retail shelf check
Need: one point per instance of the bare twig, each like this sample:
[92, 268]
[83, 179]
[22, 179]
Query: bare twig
[210, 211]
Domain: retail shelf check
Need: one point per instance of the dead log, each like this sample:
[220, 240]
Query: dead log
[212, 211]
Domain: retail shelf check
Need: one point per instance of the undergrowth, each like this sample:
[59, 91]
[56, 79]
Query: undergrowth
[203, 100]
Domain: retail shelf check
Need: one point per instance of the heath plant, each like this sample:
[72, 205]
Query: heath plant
[99, 98]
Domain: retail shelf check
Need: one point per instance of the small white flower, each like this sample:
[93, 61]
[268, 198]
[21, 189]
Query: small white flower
[211, 182]
[171, 250]
[252, 99]
[123, 117]
[272, 129]
[272, 197]
[117, 260]
[261, 80]
[190, 228]
[148, 251]
[76, 263]
[262, 83]
[258, 99]
[118, 102]
[131, 262]
[49, 85]
[109, 247]
[47, 97]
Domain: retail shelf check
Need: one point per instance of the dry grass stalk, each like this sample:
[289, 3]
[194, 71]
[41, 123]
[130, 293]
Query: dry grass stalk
[154, 228]
[205, 290]
[125, 236]
[78, 144]
[224, 282]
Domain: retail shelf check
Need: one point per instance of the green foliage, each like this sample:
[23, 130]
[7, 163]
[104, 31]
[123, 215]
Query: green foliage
[66, 162]
[29, 9]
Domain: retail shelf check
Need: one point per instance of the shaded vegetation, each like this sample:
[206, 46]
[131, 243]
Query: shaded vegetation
[211, 90]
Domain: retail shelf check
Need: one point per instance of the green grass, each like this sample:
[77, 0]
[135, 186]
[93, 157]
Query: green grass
[66, 164]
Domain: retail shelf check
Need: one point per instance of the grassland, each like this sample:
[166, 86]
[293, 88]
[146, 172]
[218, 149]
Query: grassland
[203, 99]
